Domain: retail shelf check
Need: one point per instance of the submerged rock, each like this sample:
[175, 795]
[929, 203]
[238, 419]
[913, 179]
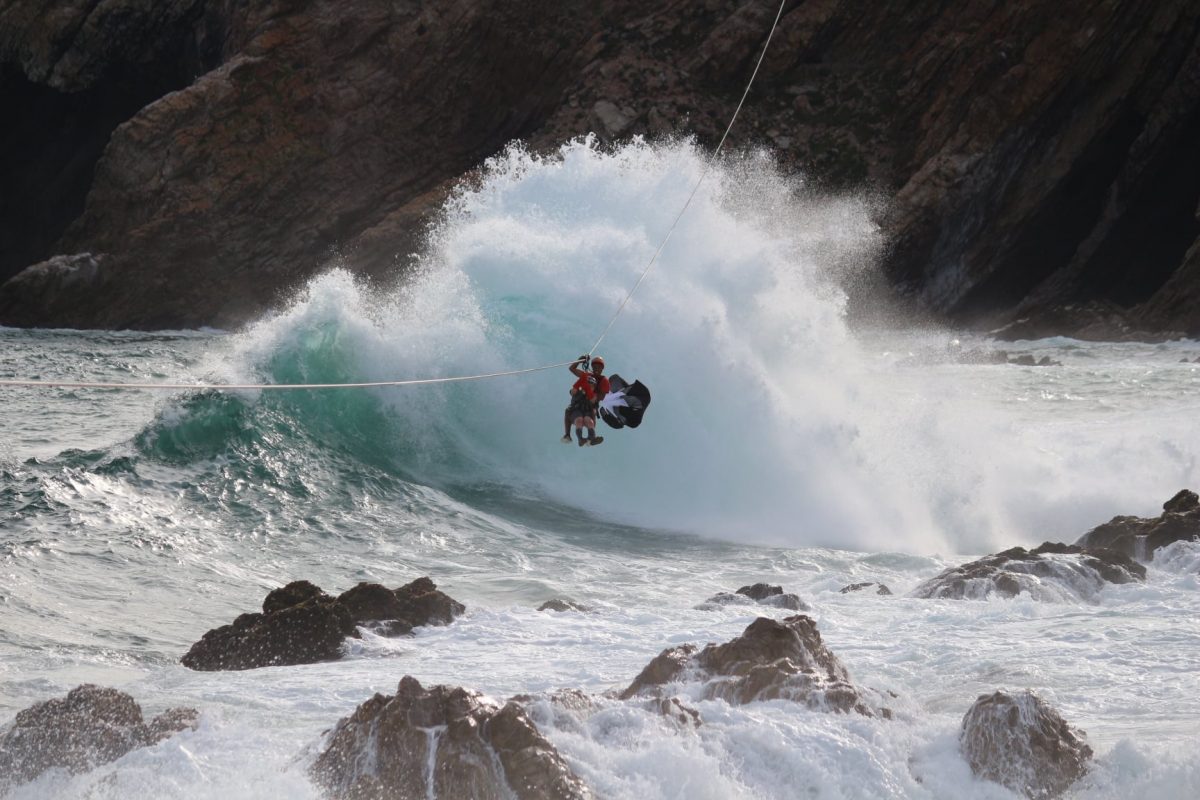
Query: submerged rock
[1027, 360]
[858, 587]
[442, 742]
[1023, 744]
[301, 624]
[562, 605]
[1139, 537]
[91, 726]
[761, 593]
[771, 660]
[1048, 572]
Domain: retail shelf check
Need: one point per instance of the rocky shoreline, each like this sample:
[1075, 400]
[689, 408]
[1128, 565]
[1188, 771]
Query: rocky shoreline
[451, 741]
[189, 163]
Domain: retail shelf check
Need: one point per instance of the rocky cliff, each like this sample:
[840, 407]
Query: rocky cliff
[1040, 155]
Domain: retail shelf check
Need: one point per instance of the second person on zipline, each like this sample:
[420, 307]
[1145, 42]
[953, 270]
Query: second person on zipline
[586, 394]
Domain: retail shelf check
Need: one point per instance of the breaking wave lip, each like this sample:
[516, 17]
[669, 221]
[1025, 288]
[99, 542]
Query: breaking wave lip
[743, 314]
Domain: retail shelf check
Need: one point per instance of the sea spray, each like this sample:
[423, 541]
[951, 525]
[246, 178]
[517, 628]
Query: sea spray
[771, 421]
[739, 331]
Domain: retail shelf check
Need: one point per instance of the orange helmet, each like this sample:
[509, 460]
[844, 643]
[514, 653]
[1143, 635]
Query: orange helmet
[598, 361]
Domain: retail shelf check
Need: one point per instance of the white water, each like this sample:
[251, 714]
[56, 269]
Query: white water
[772, 423]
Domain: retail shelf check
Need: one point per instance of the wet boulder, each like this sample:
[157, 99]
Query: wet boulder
[293, 594]
[1139, 537]
[442, 742]
[395, 612]
[771, 660]
[91, 726]
[306, 633]
[422, 603]
[858, 587]
[301, 624]
[1020, 742]
[759, 593]
[1052, 571]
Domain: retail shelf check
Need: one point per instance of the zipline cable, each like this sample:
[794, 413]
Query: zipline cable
[712, 158]
[460, 378]
[366, 385]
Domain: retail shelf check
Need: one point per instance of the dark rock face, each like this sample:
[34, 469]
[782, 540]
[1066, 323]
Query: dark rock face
[770, 660]
[91, 726]
[301, 624]
[1036, 175]
[305, 633]
[858, 587]
[1137, 537]
[443, 742]
[1022, 743]
[294, 593]
[422, 604]
[1048, 572]
[760, 593]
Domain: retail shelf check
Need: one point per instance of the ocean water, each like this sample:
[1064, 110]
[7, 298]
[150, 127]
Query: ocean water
[782, 445]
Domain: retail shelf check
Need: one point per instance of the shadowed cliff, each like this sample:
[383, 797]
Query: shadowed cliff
[1038, 158]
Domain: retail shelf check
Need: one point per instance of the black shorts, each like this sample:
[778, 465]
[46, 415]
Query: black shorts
[580, 407]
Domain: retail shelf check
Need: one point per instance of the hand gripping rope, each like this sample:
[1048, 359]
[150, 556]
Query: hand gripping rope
[418, 381]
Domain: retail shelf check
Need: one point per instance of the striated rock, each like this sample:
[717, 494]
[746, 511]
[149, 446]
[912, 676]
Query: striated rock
[91, 726]
[301, 624]
[1139, 537]
[770, 660]
[1023, 744]
[1048, 572]
[442, 742]
[858, 587]
[55, 281]
[760, 593]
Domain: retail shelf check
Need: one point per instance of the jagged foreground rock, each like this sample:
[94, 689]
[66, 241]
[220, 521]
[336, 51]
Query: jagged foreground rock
[300, 624]
[1048, 572]
[1138, 537]
[1024, 744]
[91, 726]
[443, 742]
[1038, 156]
[771, 660]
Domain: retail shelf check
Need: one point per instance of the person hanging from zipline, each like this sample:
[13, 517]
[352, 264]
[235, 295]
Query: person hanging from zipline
[587, 392]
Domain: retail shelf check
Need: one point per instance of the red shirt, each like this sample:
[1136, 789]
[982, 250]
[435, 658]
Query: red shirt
[590, 384]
